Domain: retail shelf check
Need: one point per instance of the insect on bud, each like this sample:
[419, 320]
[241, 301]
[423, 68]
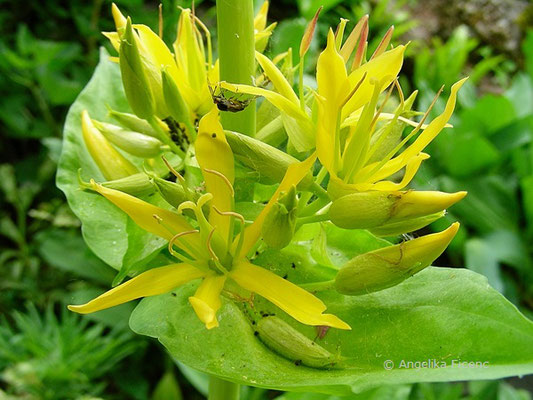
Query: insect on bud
[111, 163]
[135, 143]
[134, 80]
[366, 210]
[286, 341]
[389, 266]
[278, 228]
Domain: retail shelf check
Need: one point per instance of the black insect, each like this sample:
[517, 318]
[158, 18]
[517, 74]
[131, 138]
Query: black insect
[231, 104]
[177, 133]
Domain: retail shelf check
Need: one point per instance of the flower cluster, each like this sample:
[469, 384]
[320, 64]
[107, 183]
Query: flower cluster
[341, 128]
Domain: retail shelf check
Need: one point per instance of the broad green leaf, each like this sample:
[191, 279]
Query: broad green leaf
[440, 314]
[105, 228]
[67, 251]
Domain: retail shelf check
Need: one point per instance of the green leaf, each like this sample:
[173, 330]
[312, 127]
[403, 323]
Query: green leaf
[105, 228]
[440, 314]
[67, 251]
[167, 388]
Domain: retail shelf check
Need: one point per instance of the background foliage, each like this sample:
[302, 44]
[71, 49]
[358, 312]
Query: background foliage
[48, 51]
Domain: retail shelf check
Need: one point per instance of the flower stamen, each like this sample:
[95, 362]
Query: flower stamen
[238, 216]
[223, 177]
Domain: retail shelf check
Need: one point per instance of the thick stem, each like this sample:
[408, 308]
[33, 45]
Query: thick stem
[220, 389]
[236, 52]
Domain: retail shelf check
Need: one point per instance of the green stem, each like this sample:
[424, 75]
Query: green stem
[312, 219]
[236, 52]
[220, 389]
[301, 83]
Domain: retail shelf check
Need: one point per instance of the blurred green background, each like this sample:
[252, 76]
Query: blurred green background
[48, 51]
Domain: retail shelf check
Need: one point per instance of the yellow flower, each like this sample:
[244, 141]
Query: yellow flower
[212, 250]
[190, 65]
[261, 31]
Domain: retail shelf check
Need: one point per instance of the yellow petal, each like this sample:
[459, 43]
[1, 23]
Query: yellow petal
[410, 171]
[110, 162]
[214, 154]
[277, 100]
[277, 78]
[331, 75]
[433, 129]
[120, 20]
[114, 38]
[295, 301]
[387, 65]
[333, 88]
[325, 135]
[143, 214]
[295, 173]
[206, 300]
[150, 283]
[260, 19]
[189, 51]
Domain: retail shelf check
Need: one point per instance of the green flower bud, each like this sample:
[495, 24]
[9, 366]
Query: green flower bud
[279, 224]
[366, 210]
[286, 341]
[134, 123]
[408, 225]
[389, 136]
[134, 80]
[110, 162]
[389, 266]
[270, 162]
[136, 184]
[175, 103]
[173, 193]
[135, 143]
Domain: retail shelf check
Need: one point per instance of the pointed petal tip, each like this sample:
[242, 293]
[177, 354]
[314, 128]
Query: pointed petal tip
[79, 309]
[451, 231]
[335, 322]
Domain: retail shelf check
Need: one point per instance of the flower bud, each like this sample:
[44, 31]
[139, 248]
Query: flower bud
[389, 266]
[137, 184]
[270, 162]
[134, 80]
[279, 224]
[365, 210]
[172, 192]
[111, 163]
[408, 225]
[308, 34]
[286, 341]
[176, 105]
[134, 143]
[134, 123]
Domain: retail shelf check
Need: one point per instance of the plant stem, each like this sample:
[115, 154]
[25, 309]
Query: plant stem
[220, 389]
[236, 52]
